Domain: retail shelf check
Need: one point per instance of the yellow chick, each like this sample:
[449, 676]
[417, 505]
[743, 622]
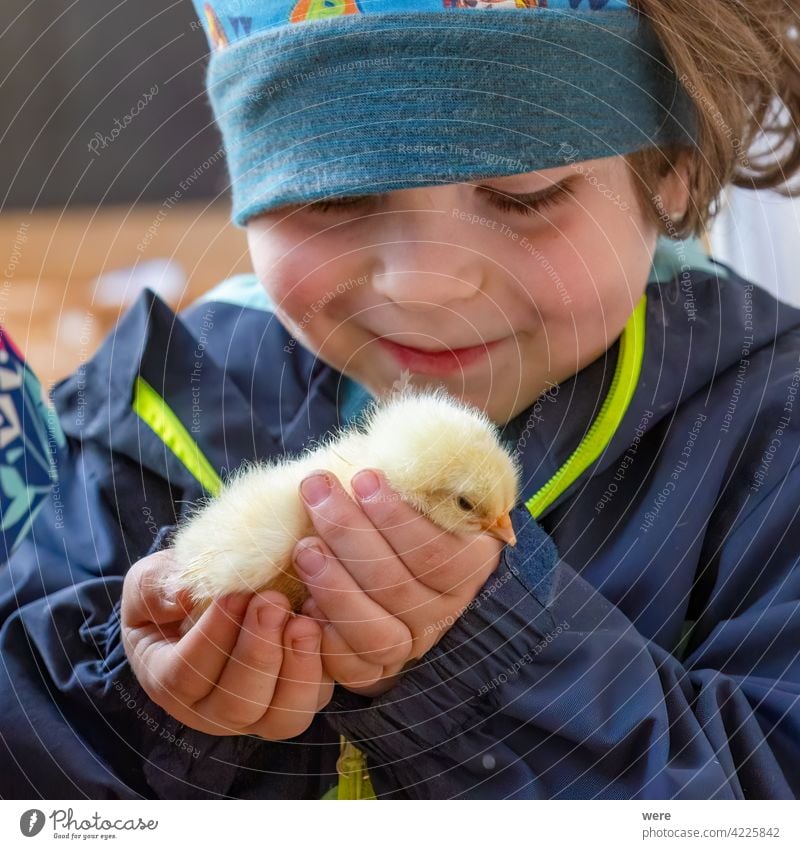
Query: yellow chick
[440, 455]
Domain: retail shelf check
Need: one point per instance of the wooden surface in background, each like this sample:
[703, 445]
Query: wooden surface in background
[49, 303]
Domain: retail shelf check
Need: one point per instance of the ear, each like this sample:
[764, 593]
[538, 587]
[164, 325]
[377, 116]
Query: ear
[674, 187]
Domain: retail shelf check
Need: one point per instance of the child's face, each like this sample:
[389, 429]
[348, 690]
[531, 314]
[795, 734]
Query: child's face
[454, 266]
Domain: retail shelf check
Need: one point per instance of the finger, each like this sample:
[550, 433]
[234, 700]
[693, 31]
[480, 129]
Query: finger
[181, 672]
[366, 626]
[297, 693]
[338, 657]
[433, 556]
[423, 636]
[326, 687]
[362, 550]
[247, 683]
[146, 598]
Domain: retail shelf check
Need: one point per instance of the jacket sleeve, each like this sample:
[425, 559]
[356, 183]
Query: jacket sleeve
[74, 722]
[544, 689]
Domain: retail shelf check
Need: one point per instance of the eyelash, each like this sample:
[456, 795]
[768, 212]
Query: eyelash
[337, 203]
[531, 205]
[522, 204]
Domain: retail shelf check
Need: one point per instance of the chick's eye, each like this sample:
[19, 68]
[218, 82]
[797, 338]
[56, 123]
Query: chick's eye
[464, 503]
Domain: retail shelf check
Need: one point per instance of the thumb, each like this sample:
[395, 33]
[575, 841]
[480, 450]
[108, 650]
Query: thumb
[146, 595]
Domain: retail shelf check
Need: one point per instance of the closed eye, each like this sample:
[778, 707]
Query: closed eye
[530, 203]
[339, 203]
[525, 204]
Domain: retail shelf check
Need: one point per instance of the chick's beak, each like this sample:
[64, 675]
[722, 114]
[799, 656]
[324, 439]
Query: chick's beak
[502, 529]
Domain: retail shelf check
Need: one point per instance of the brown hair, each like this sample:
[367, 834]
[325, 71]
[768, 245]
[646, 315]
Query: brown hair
[739, 60]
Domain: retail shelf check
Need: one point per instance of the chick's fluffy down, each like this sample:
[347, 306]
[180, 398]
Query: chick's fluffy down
[243, 540]
[437, 453]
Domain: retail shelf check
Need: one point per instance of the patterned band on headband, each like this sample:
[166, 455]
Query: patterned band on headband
[316, 98]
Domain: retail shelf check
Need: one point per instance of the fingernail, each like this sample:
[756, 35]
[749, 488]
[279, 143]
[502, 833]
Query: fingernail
[305, 644]
[310, 558]
[311, 609]
[365, 483]
[271, 617]
[315, 489]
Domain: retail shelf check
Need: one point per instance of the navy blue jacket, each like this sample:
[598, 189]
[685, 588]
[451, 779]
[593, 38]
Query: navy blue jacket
[642, 640]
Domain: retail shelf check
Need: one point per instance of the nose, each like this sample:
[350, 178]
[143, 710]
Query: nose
[422, 267]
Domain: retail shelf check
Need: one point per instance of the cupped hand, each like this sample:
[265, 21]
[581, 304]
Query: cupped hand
[246, 666]
[386, 583]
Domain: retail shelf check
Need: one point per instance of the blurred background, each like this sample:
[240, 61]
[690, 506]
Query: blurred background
[112, 177]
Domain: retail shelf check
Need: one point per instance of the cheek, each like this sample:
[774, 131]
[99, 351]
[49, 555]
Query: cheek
[583, 272]
[594, 257]
[296, 295]
[547, 264]
[302, 278]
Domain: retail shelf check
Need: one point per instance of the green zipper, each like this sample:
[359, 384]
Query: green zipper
[612, 411]
[162, 420]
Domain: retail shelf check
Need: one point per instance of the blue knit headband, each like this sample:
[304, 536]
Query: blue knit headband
[316, 98]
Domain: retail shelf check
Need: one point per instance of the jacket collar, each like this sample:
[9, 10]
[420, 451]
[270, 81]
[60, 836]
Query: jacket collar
[95, 403]
[697, 327]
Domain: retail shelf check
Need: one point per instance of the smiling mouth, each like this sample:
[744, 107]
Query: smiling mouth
[438, 362]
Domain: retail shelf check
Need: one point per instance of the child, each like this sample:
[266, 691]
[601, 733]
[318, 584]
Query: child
[414, 217]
